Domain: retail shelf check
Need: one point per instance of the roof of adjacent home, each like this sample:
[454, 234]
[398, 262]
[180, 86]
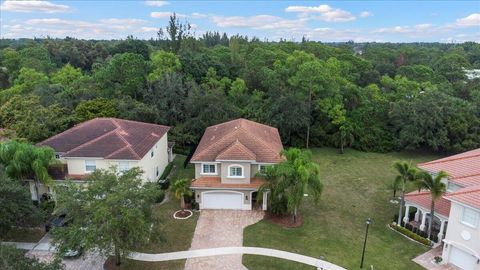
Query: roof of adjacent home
[469, 196]
[463, 169]
[240, 139]
[216, 182]
[108, 138]
[424, 199]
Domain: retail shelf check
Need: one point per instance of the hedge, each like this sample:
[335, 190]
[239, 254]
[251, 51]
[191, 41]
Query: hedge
[411, 234]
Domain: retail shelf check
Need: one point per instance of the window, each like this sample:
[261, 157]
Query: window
[123, 166]
[57, 156]
[151, 153]
[470, 217]
[235, 171]
[157, 172]
[262, 168]
[209, 169]
[90, 165]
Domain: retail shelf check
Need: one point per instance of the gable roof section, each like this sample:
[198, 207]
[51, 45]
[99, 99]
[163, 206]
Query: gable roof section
[469, 196]
[108, 138]
[463, 169]
[424, 199]
[239, 139]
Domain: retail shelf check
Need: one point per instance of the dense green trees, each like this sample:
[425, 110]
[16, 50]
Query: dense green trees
[371, 96]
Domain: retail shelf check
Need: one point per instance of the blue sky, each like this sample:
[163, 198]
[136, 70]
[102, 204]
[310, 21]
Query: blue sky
[393, 21]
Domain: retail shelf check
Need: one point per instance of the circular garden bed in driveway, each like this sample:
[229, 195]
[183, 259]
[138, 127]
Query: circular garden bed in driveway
[182, 214]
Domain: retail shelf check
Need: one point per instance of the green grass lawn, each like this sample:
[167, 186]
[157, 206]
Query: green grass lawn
[31, 235]
[357, 185]
[177, 234]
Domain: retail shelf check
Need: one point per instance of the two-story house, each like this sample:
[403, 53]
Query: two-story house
[228, 163]
[105, 142]
[457, 213]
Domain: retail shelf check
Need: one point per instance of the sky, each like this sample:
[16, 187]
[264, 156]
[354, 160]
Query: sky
[327, 21]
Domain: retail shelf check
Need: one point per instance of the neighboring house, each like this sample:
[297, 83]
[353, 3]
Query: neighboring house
[105, 142]
[459, 208]
[228, 163]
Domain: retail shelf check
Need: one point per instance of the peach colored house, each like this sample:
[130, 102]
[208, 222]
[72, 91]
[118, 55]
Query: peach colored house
[101, 143]
[229, 161]
[457, 213]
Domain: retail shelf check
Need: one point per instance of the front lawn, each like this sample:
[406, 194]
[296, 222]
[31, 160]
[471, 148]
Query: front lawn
[357, 185]
[177, 234]
[31, 235]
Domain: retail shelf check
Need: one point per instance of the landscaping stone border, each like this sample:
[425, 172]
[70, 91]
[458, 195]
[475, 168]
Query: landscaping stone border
[187, 217]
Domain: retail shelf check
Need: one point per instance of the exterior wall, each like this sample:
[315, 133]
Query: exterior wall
[148, 163]
[247, 203]
[456, 231]
[41, 189]
[160, 158]
[235, 180]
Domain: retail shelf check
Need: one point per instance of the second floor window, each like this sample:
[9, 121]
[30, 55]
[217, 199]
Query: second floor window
[90, 165]
[235, 171]
[123, 166]
[208, 169]
[470, 217]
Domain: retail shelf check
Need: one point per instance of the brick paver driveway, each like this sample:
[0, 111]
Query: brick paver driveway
[221, 228]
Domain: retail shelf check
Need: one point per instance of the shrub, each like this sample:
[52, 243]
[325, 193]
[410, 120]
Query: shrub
[438, 259]
[159, 198]
[411, 235]
[166, 172]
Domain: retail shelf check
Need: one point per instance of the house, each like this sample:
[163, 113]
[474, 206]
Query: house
[457, 213]
[105, 142]
[228, 163]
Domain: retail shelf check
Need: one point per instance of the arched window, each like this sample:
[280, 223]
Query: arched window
[235, 170]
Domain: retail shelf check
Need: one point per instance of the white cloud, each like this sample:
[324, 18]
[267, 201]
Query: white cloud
[416, 29]
[165, 14]
[470, 20]
[156, 3]
[257, 22]
[364, 14]
[149, 29]
[122, 21]
[323, 13]
[33, 6]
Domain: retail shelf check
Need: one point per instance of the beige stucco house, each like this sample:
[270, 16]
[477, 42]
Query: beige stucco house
[105, 142]
[457, 213]
[228, 164]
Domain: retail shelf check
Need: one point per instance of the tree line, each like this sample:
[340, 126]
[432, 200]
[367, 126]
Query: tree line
[371, 96]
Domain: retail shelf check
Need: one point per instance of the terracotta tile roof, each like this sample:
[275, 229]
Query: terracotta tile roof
[109, 138]
[463, 169]
[424, 199]
[215, 182]
[262, 141]
[469, 196]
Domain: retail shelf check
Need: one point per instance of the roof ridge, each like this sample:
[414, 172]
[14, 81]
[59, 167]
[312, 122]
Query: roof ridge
[92, 141]
[446, 159]
[128, 145]
[470, 189]
[258, 139]
[233, 144]
[417, 193]
[465, 176]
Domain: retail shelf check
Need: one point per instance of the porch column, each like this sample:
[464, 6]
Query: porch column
[440, 234]
[424, 217]
[264, 201]
[407, 212]
[417, 215]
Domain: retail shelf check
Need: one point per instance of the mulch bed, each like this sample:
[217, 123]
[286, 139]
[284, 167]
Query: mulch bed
[284, 221]
[182, 214]
[110, 264]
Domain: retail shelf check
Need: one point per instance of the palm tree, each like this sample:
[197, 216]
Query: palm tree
[406, 173]
[181, 188]
[23, 160]
[292, 177]
[436, 187]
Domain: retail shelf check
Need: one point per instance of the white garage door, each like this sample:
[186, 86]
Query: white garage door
[222, 200]
[462, 259]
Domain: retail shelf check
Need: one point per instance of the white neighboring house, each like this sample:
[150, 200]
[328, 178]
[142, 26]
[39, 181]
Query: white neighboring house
[105, 142]
[228, 160]
[457, 213]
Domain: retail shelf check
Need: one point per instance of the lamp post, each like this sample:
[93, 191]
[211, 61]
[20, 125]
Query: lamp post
[368, 222]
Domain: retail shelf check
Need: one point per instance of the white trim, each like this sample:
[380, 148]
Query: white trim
[208, 163]
[427, 211]
[244, 206]
[235, 176]
[474, 226]
[460, 203]
[234, 160]
[200, 162]
[223, 188]
[461, 247]
[95, 162]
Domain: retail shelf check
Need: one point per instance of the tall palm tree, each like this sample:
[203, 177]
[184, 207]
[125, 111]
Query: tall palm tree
[181, 188]
[406, 173]
[436, 187]
[23, 160]
[293, 177]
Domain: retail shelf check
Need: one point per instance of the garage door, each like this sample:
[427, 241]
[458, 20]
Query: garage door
[222, 200]
[462, 259]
